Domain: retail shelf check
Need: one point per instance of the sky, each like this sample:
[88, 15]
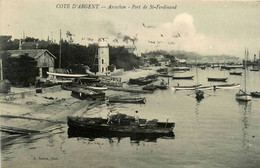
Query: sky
[205, 27]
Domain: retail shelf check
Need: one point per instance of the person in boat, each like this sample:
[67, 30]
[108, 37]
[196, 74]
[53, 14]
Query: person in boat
[136, 117]
[109, 117]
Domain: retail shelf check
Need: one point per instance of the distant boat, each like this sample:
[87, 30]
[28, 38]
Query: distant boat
[235, 73]
[96, 88]
[202, 67]
[67, 75]
[181, 68]
[254, 69]
[127, 100]
[255, 94]
[242, 95]
[227, 86]
[191, 87]
[217, 79]
[182, 77]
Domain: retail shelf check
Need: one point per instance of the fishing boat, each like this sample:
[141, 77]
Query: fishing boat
[235, 73]
[127, 100]
[254, 69]
[226, 86]
[122, 125]
[255, 94]
[164, 75]
[218, 79]
[183, 77]
[242, 95]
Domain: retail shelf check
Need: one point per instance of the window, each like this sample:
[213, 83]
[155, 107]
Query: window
[102, 61]
[102, 69]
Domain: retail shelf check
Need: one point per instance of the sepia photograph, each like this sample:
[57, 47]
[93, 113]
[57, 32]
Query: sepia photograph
[129, 84]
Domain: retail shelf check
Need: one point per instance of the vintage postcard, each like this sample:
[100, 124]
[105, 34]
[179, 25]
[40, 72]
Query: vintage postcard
[129, 83]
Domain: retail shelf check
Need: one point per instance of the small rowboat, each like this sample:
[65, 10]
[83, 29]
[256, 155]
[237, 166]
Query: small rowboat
[127, 100]
[235, 73]
[67, 75]
[243, 96]
[182, 77]
[217, 79]
[96, 88]
[255, 94]
[227, 86]
[192, 87]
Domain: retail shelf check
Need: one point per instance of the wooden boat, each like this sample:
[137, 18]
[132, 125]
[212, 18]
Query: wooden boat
[123, 125]
[226, 86]
[242, 95]
[150, 87]
[255, 94]
[140, 81]
[254, 69]
[235, 73]
[127, 100]
[180, 68]
[191, 87]
[217, 79]
[164, 75]
[182, 77]
[67, 75]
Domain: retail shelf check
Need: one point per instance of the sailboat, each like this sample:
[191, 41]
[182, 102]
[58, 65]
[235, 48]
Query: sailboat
[242, 95]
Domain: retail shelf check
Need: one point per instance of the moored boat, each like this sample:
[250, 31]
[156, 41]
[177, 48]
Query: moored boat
[255, 94]
[127, 100]
[227, 86]
[122, 125]
[242, 95]
[235, 73]
[190, 87]
[218, 79]
[67, 75]
[183, 77]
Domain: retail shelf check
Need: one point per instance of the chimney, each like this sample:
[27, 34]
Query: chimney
[20, 44]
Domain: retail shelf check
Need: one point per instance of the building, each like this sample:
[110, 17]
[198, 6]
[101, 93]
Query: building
[45, 59]
[103, 56]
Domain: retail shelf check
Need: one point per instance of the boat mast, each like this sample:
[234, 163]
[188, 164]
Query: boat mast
[246, 55]
[60, 51]
[197, 72]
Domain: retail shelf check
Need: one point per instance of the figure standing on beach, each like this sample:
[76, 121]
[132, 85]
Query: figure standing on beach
[136, 117]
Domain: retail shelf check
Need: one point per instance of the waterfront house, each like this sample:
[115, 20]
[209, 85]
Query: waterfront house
[44, 58]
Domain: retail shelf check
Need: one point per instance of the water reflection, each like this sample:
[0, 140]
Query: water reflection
[246, 110]
[116, 138]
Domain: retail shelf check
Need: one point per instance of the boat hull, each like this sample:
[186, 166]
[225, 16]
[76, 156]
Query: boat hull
[217, 79]
[99, 127]
[243, 97]
[182, 77]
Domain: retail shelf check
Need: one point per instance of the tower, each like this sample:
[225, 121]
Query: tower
[103, 56]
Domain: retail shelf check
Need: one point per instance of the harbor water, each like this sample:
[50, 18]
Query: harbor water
[218, 131]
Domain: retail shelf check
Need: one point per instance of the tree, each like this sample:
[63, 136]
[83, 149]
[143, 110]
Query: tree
[20, 71]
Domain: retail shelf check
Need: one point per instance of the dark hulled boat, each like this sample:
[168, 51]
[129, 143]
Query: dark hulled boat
[217, 79]
[183, 77]
[255, 94]
[235, 73]
[123, 125]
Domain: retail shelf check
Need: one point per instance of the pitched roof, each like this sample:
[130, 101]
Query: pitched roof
[34, 53]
